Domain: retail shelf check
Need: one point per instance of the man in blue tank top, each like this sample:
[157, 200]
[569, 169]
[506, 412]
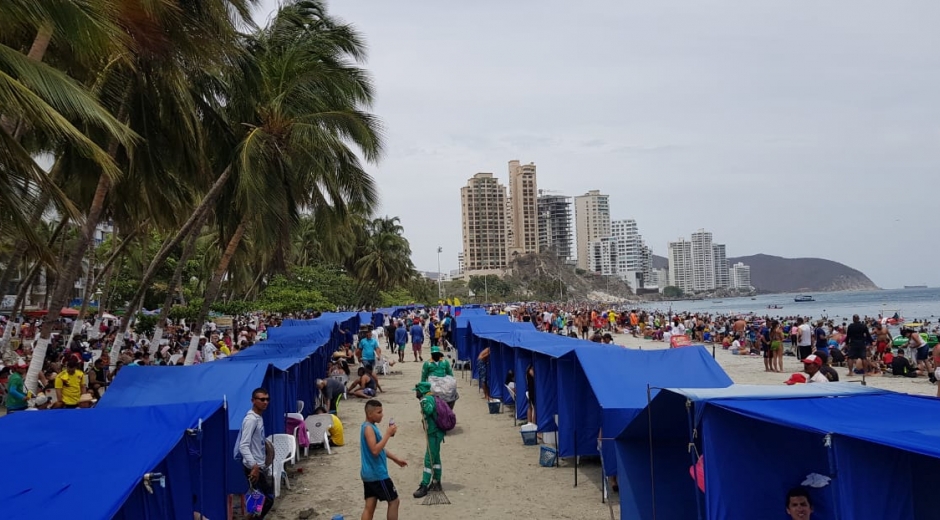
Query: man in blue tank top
[375, 480]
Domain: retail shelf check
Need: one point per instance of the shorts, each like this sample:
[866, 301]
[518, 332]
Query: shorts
[368, 364]
[383, 490]
[401, 346]
[923, 353]
[857, 352]
[776, 345]
[369, 392]
[805, 351]
[416, 347]
[882, 346]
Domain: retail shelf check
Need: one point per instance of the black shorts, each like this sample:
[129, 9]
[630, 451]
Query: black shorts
[805, 351]
[383, 490]
[922, 353]
[857, 352]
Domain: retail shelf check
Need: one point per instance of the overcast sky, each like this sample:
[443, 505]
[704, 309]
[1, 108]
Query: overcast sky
[791, 128]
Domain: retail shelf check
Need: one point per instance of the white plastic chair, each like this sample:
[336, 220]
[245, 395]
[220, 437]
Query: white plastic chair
[285, 450]
[175, 358]
[300, 418]
[382, 366]
[318, 431]
[300, 406]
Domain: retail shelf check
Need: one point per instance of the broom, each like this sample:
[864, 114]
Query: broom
[435, 496]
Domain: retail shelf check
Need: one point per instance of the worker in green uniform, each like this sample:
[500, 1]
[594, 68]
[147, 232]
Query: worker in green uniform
[437, 366]
[432, 456]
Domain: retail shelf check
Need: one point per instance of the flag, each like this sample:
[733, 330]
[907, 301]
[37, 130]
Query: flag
[456, 302]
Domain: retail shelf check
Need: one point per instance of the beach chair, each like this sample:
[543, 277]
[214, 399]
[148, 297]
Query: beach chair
[382, 366]
[300, 407]
[512, 404]
[285, 450]
[300, 418]
[318, 431]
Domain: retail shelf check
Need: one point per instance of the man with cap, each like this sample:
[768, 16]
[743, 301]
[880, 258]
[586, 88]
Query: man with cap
[16, 390]
[432, 455]
[811, 365]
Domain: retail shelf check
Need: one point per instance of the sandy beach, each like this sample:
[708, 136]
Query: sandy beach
[488, 472]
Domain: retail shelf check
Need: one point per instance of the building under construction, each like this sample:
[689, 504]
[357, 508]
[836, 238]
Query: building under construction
[555, 224]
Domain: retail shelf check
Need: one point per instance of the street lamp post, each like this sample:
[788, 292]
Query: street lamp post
[440, 279]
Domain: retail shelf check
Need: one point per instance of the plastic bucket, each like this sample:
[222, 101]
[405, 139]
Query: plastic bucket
[547, 457]
[494, 406]
[530, 438]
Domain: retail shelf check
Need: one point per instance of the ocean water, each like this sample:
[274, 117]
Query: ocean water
[911, 304]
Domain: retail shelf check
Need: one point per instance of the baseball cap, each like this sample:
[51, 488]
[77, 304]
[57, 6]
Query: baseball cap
[814, 359]
[423, 387]
[796, 378]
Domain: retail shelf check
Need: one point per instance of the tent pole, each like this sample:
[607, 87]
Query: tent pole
[649, 421]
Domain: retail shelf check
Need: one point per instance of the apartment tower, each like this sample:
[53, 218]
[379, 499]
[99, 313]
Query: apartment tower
[703, 261]
[524, 217]
[680, 265]
[592, 220]
[483, 212]
[555, 225]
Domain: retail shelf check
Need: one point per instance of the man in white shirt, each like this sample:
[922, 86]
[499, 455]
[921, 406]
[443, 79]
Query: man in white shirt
[804, 340]
[811, 366]
[250, 447]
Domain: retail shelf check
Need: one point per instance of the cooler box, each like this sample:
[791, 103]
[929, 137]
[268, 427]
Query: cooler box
[529, 433]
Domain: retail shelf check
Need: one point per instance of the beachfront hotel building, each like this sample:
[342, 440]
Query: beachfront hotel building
[740, 276]
[484, 223]
[722, 272]
[680, 265]
[555, 234]
[523, 218]
[703, 261]
[592, 222]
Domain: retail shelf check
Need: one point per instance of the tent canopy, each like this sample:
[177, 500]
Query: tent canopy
[135, 441]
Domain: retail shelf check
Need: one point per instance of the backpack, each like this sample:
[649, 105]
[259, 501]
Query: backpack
[444, 417]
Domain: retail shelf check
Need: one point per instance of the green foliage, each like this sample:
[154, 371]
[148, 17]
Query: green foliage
[286, 295]
[491, 286]
[672, 291]
[145, 324]
[233, 307]
[333, 284]
[546, 289]
[395, 297]
[580, 272]
[189, 312]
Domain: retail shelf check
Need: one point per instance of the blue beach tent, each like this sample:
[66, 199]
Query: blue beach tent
[165, 385]
[674, 419]
[609, 389]
[104, 454]
[882, 452]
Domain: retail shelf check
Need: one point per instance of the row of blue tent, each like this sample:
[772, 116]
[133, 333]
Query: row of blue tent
[652, 414]
[180, 423]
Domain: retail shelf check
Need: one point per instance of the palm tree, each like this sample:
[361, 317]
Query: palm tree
[172, 45]
[385, 258]
[294, 111]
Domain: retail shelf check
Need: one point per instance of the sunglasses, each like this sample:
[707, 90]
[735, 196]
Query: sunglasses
[265, 399]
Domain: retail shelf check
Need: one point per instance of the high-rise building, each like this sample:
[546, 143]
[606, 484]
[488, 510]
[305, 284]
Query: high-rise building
[680, 265]
[722, 274]
[740, 275]
[592, 220]
[524, 216]
[555, 225]
[483, 211]
[604, 256]
[703, 261]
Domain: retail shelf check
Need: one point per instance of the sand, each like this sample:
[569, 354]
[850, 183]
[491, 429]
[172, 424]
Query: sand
[488, 472]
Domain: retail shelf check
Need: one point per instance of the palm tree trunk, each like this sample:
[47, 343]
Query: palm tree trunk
[212, 290]
[198, 217]
[67, 276]
[77, 325]
[175, 282]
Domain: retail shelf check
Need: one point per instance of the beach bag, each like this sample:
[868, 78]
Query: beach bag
[444, 417]
[444, 387]
[254, 501]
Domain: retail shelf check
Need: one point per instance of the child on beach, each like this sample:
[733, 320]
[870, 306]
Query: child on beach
[376, 483]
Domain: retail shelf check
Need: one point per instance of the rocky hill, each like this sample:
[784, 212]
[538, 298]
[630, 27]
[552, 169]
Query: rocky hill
[777, 274]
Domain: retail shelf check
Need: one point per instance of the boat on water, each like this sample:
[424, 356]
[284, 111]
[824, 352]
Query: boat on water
[915, 286]
[775, 306]
[716, 301]
[804, 298]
